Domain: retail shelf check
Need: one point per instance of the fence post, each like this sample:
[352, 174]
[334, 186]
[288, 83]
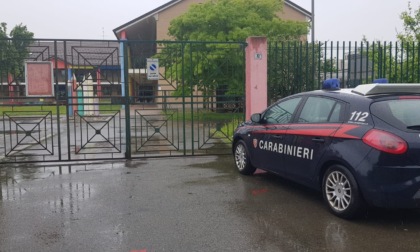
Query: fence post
[125, 95]
[256, 75]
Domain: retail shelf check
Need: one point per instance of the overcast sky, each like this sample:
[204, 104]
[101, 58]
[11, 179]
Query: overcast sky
[335, 20]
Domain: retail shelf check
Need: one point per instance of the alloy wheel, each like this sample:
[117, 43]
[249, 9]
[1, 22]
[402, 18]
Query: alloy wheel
[338, 191]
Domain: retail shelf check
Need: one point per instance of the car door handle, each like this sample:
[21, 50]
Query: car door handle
[318, 140]
[278, 136]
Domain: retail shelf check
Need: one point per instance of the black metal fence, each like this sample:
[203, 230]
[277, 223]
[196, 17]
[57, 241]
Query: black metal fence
[303, 66]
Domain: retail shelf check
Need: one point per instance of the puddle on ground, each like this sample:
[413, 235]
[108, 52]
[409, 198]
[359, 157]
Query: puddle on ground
[221, 162]
[11, 176]
[10, 189]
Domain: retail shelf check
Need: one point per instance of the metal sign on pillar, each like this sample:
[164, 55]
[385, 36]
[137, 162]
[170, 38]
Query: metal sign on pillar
[153, 69]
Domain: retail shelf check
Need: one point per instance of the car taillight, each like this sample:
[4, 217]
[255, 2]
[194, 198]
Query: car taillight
[385, 141]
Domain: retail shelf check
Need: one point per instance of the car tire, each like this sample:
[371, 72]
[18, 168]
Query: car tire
[341, 193]
[242, 160]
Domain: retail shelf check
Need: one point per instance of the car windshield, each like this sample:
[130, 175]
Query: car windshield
[403, 113]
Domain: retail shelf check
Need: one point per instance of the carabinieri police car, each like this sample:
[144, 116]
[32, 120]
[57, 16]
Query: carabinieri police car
[360, 146]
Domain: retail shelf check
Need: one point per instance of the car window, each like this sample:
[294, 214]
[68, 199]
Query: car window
[320, 110]
[401, 113]
[281, 112]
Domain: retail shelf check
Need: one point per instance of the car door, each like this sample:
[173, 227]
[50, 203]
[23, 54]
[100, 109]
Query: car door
[310, 136]
[268, 140]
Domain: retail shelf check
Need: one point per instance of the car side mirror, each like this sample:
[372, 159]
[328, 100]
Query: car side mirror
[256, 118]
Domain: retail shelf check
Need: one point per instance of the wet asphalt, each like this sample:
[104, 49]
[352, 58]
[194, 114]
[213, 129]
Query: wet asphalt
[181, 204]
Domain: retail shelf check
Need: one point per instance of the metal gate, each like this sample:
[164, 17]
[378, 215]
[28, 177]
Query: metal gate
[99, 100]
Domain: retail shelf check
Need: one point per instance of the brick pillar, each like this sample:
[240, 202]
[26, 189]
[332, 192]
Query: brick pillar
[256, 75]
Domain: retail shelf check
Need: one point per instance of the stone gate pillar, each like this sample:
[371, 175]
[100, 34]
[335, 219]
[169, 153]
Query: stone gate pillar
[256, 75]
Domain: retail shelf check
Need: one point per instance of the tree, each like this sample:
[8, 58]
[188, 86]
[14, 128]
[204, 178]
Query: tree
[234, 21]
[13, 50]
[411, 22]
[229, 23]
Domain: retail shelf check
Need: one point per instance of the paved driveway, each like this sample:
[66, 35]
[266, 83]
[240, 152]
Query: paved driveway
[181, 204]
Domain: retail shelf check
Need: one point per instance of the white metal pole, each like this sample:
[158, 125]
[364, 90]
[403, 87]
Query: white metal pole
[313, 21]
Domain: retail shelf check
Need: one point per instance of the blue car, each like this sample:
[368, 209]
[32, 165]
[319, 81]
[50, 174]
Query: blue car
[360, 146]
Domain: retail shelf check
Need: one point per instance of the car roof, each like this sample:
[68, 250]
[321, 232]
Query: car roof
[391, 89]
[369, 91]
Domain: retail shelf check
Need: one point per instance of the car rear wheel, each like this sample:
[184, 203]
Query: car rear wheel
[341, 193]
[242, 161]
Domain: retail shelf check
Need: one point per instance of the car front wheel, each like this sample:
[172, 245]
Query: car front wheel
[341, 193]
[242, 161]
